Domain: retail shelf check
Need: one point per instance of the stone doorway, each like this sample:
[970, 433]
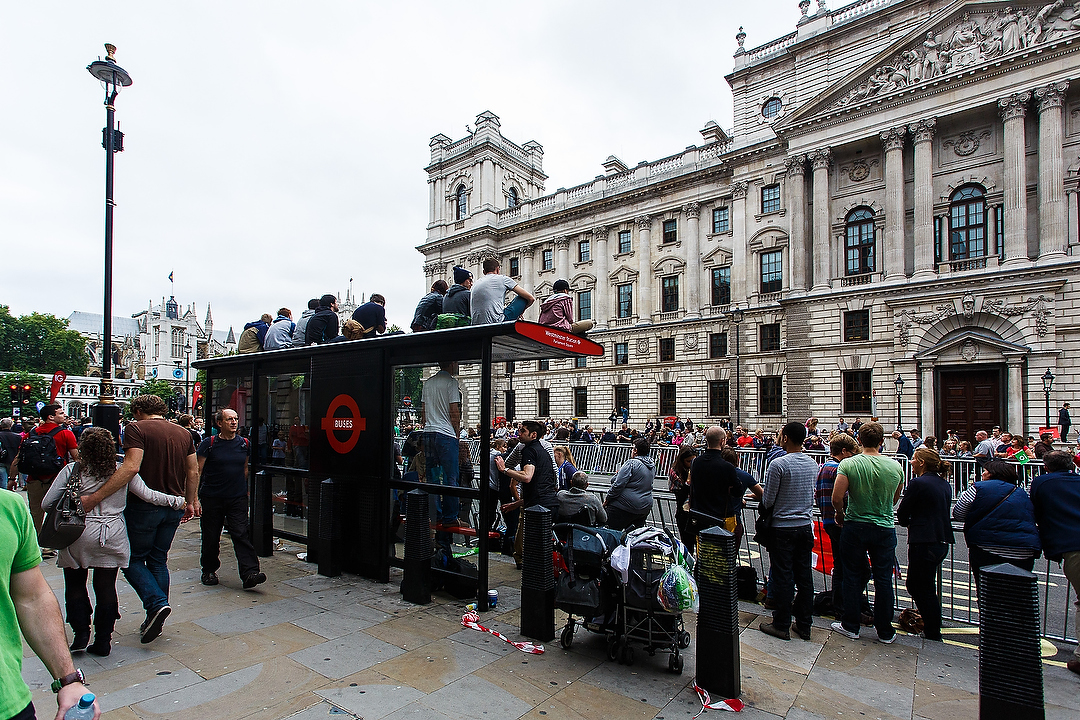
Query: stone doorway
[969, 400]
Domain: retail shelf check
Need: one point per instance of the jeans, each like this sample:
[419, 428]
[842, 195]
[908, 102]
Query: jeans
[441, 468]
[791, 572]
[856, 541]
[515, 308]
[3, 476]
[834, 532]
[77, 600]
[924, 559]
[150, 532]
[215, 512]
[619, 519]
[1071, 567]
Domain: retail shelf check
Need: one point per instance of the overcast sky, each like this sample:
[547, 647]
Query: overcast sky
[274, 150]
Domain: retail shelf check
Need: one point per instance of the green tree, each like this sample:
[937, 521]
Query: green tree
[162, 388]
[40, 343]
[38, 393]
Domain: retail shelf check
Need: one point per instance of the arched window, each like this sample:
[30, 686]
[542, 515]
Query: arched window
[967, 223]
[461, 203]
[861, 241]
[512, 198]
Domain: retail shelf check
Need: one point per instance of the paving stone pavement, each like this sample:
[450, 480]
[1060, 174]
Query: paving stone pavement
[307, 647]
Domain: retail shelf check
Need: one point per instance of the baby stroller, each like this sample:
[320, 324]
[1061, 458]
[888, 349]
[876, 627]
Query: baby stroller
[584, 587]
[641, 561]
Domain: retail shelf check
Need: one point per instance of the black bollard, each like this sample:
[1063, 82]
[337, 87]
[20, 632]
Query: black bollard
[311, 508]
[537, 576]
[262, 522]
[416, 581]
[1010, 660]
[718, 666]
[330, 535]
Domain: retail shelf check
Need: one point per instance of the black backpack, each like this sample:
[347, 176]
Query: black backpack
[38, 455]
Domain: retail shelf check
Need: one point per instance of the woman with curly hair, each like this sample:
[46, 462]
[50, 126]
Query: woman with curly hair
[103, 546]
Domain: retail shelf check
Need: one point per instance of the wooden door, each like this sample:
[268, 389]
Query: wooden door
[969, 400]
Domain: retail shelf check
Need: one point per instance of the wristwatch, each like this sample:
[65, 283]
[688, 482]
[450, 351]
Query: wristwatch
[75, 677]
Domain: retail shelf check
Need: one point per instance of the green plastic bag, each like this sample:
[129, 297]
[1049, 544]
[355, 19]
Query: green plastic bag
[677, 590]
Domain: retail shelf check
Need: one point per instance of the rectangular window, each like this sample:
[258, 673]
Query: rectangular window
[856, 325]
[624, 241]
[509, 368]
[857, 392]
[157, 341]
[721, 286]
[772, 272]
[622, 396]
[669, 293]
[583, 251]
[543, 364]
[671, 231]
[667, 349]
[770, 199]
[622, 353]
[178, 342]
[543, 403]
[667, 399]
[717, 345]
[626, 300]
[721, 222]
[581, 402]
[548, 259]
[770, 337]
[584, 305]
[771, 395]
[515, 267]
[580, 362]
[718, 398]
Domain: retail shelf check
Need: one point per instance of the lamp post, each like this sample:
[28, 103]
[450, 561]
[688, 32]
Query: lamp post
[113, 78]
[187, 379]
[899, 382]
[736, 320]
[1048, 383]
[510, 392]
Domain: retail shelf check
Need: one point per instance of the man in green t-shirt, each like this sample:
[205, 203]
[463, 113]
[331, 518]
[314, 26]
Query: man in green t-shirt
[27, 602]
[872, 483]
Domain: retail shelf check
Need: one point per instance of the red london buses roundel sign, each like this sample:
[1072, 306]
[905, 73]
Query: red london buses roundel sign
[349, 424]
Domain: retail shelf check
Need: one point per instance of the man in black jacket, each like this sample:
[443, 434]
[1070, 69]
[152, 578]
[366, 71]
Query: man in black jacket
[429, 307]
[323, 325]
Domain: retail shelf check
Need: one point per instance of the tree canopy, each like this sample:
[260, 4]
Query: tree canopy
[40, 343]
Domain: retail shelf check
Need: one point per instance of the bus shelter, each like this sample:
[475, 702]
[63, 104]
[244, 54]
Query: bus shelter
[321, 420]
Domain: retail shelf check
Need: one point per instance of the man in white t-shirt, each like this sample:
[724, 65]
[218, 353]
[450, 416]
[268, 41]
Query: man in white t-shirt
[489, 296]
[440, 412]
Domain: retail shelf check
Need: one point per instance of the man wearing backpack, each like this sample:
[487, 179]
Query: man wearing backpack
[44, 452]
[223, 492]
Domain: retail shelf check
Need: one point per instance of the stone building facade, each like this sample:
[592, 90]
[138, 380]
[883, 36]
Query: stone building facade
[897, 201]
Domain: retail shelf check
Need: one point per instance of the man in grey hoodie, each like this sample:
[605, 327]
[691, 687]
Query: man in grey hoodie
[630, 500]
[301, 326]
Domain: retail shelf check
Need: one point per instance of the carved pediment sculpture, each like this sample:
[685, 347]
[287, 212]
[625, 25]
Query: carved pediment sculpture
[972, 39]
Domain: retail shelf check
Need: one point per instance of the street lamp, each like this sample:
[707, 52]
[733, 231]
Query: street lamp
[510, 392]
[187, 379]
[1048, 382]
[113, 78]
[736, 319]
[899, 382]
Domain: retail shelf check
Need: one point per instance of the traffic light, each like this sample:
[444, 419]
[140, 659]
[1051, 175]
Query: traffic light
[26, 390]
[16, 394]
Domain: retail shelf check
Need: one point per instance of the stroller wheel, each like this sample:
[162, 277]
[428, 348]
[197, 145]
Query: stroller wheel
[627, 655]
[567, 637]
[675, 663]
[684, 639]
[612, 649]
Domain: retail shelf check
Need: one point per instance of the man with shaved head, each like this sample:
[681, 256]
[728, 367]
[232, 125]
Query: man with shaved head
[715, 491]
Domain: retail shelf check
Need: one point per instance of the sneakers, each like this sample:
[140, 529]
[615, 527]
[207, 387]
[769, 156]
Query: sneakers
[255, 578]
[838, 627]
[209, 578]
[47, 553]
[769, 629]
[154, 623]
[82, 639]
[889, 640]
[804, 633]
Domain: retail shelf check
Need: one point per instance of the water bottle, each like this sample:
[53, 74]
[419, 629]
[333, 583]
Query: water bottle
[83, 711]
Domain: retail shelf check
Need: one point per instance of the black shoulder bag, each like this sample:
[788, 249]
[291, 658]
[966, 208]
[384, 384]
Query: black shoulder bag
[65, 521]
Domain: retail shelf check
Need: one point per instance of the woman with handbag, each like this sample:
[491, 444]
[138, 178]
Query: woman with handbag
[103, 545]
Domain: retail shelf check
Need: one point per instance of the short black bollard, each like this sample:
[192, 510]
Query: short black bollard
[330, 530]
[718, 666]
[1010, 660]
[262, 524]
[416, 580]
[314, 500]
[537, 576]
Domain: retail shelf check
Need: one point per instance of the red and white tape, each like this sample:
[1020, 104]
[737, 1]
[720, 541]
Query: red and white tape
[471, 620]
[732, 705]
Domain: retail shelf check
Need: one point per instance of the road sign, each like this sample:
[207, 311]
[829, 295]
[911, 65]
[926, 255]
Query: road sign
[39, 405]
[15, 412]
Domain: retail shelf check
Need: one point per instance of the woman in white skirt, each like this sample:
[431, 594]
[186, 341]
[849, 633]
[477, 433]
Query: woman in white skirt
[103, 546]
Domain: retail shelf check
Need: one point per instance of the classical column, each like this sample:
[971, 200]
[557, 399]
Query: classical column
[645, 281]
[692, 299]
[892, 259]
[528, 277]
[562, 257]
[1016, 392]
[1073, 234]
[601, 264]
[739, 290]
[1013, 109]
[926, 398]
[799, 252]
[1052, 235]
[922, 133]
[820, 160]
